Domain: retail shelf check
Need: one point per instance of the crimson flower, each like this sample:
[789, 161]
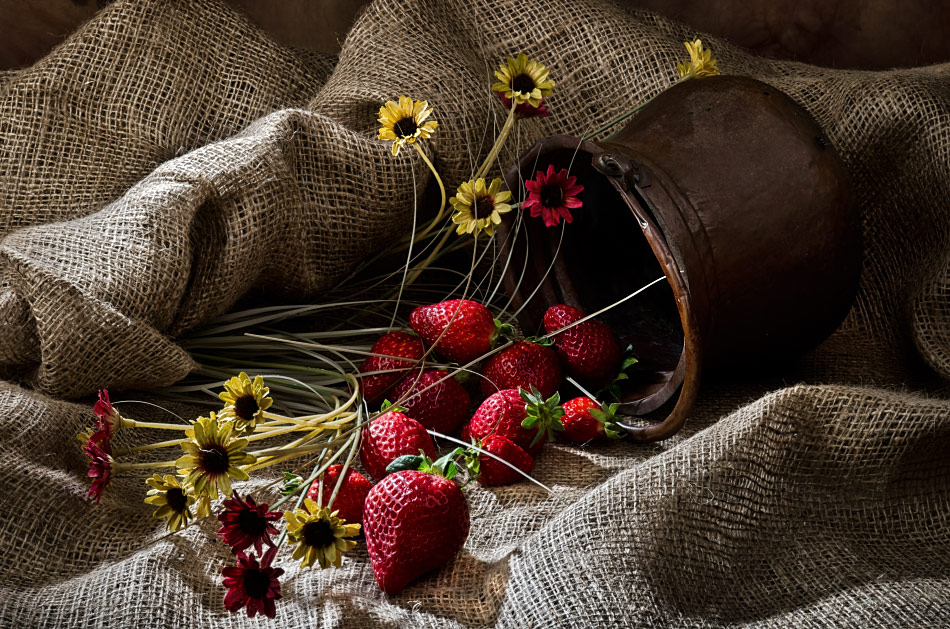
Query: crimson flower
[526, 109]
[245, 523]
[107, 420]
[252, 584]
[552, 196]
[100, 468]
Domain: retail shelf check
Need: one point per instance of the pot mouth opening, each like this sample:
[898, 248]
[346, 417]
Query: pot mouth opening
[603, 257]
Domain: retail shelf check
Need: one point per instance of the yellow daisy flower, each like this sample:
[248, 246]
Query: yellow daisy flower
[173, 501]
[701, 62]
[212, 457]
[523, 80]
[405, 122]
[245, 402]
[319, 535]
[479, 209]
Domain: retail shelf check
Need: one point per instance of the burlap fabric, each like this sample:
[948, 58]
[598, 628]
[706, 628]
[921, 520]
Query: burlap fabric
[169, 158]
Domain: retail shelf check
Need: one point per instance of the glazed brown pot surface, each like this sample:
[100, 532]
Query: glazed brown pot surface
[729, 190]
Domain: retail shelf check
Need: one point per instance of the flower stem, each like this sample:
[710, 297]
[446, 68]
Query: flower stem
[425, 263]
[132, 423]
[119, 467]
[499, 142]
[304, 487]
[441, 213]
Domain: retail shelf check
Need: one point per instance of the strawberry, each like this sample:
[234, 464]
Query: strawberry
[392, 348]
[522, 417]
[590, 350]
[523, 364]
[469, 328]
[586, 420]
[349, 498]
[442, 407]
[493, 472]
[390, 436]
[414, 522]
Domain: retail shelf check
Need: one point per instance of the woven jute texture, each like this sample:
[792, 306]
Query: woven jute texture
[169, 159]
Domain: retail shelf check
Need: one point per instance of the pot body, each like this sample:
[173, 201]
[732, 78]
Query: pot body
[729, 190]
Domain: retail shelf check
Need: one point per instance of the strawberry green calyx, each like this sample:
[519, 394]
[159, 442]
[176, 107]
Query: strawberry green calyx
[540, 340]
[445, 466]
[607, 415]
[388, 406]
[503, 332]
[629, 360]
[544, 415]
[291, 483]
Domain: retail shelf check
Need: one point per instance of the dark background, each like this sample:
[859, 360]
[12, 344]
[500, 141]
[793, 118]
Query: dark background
[869, 34]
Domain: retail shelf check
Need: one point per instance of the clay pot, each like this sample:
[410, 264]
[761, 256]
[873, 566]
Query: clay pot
[731, 192]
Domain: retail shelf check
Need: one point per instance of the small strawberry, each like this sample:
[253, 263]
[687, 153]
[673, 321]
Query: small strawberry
[585, 420]
[349, 498]
[414, 522]
[397, 351]
[435, 399]
[390, 436]
[524, 418]
[493, 472]
[469, 329]
[524, 364]
[590, 350]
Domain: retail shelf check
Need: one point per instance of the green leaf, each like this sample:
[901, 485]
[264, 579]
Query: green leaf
[406, 462]
[530, 421]
[628, 362]
[540, 340]
[291, 483]
[450, 470]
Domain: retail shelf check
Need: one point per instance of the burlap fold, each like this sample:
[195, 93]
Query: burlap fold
[169, 158]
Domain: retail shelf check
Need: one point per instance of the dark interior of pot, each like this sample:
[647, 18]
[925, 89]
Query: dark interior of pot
[603, 258]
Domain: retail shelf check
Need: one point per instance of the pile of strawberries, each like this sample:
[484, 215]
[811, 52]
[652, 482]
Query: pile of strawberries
[416, 518]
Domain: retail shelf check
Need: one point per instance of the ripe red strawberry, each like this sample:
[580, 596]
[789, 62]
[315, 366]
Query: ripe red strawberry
[397, 352]
[590, 350]
[585, 420]
[469, 328]
[350, 497]
[390, 436]
[414, 523]
[492, 472]
[522, 417]
[523, 364]
[442, 407]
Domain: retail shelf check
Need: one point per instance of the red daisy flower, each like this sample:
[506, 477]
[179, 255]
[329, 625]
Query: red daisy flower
[107, 420]
[245, 523]
[253, 584]
[100, 469]
[552, 196]
[526, 109]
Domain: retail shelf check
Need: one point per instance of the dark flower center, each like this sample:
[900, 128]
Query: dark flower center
[256, 583]
[318, 534]
[551, 196]
[245, 407]
[483, 207]
[522, 83]
[176, 499]
[405, 128]
[251, 523]
[213, 459]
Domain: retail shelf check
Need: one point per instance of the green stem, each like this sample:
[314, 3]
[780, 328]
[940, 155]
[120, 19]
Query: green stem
[304, 487]
[132, 423]
[441, 213]
[499, 142]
